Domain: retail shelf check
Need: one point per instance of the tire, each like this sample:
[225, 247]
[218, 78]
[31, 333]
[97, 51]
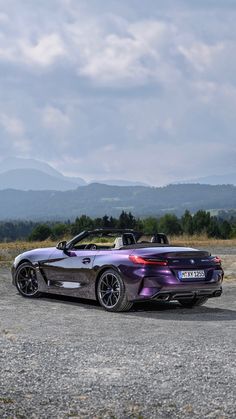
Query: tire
[194, 302]
[111, 292]
[26, 280]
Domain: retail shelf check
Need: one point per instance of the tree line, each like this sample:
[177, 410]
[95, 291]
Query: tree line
[202, 222]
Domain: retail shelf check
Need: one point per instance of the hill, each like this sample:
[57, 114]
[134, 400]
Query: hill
[97, 200]
[225, 179]
[15, 163]
[32, 174]
[31, 179]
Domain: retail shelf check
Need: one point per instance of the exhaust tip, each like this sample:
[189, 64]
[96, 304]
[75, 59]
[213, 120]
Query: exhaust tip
[217, 293]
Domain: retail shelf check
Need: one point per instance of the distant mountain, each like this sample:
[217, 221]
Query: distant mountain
[14, 163]
[98, 200]
[227, 179]
[17, 177]
[31, 174]
[36, 180]
[120, 182]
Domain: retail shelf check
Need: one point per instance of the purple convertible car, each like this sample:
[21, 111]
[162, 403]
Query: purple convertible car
[118, 268]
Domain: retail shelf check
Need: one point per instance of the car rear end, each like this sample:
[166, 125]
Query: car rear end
[176, 273]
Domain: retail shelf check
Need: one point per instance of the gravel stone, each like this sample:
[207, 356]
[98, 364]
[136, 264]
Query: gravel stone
[66, 358]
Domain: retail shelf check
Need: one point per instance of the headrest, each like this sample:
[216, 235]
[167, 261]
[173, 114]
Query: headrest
[118, 243]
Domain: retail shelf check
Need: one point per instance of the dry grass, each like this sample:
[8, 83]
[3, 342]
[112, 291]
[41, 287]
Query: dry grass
[8, 251]
[201, 240]
[27, 245]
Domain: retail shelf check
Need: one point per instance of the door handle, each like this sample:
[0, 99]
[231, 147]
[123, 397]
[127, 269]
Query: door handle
[86, 260]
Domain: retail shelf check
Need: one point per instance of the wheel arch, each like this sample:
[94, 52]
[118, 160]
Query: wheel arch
[23, 261]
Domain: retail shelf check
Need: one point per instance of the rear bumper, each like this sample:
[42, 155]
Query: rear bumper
[147, 283]
[178, 294]
[159, 288]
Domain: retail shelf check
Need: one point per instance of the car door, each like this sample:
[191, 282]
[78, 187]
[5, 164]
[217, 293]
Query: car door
[71, 274]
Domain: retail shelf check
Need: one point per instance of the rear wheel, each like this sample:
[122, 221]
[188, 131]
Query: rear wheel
[26, 280]
[194, 302]
[111, 292]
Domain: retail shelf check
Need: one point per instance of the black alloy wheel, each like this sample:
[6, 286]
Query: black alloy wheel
[111, 292]
[26, 280]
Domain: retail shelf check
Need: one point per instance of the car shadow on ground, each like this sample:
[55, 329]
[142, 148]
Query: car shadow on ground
[174, 311]
[155, 310]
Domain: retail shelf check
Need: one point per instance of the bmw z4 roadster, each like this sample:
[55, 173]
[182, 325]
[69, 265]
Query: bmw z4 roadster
[118, 268]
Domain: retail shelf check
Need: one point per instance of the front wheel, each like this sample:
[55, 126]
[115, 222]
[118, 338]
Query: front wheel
[26, 280]
[111, 292]
[194, 302]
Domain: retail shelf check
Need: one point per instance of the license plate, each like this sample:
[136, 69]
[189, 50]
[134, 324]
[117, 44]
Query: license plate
[192, 274]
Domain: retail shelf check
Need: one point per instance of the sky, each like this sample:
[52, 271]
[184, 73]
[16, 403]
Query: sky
[120, 89]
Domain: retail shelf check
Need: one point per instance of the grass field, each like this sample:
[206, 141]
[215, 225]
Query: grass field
[202, 241]
[8, 251]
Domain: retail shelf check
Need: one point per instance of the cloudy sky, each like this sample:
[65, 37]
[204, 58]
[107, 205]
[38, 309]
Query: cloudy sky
[128, 89]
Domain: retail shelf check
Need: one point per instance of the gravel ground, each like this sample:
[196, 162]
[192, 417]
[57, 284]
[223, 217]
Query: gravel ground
[66, 358]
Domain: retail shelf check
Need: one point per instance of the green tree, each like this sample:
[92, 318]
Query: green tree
[40, 233]
[82, 223]
[201, 222]
[126, 220]
[150, 225]
[113, 222]
[213, 229]
[170, 224]
[106, 221]
[226, 230]
[187, 223]
[59, 231]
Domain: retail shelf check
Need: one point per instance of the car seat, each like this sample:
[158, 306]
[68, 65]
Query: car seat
[118, 243]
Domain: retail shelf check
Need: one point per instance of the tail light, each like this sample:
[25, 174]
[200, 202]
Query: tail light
[145, 261]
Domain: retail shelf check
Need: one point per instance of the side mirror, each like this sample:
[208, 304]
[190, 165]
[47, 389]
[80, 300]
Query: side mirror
[62, 245]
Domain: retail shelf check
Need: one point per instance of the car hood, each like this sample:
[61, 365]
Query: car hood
[37, 254]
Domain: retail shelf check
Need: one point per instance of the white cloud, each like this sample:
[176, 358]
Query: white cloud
[153, 163]
[6, 54]
[54, 118]
[39, 54]
[12, 125]
[44, 52]
[128, 87]
[15, 130]
[131, 54]
[57, 125]
[4, 18]
[22, 147]
[202, 55]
